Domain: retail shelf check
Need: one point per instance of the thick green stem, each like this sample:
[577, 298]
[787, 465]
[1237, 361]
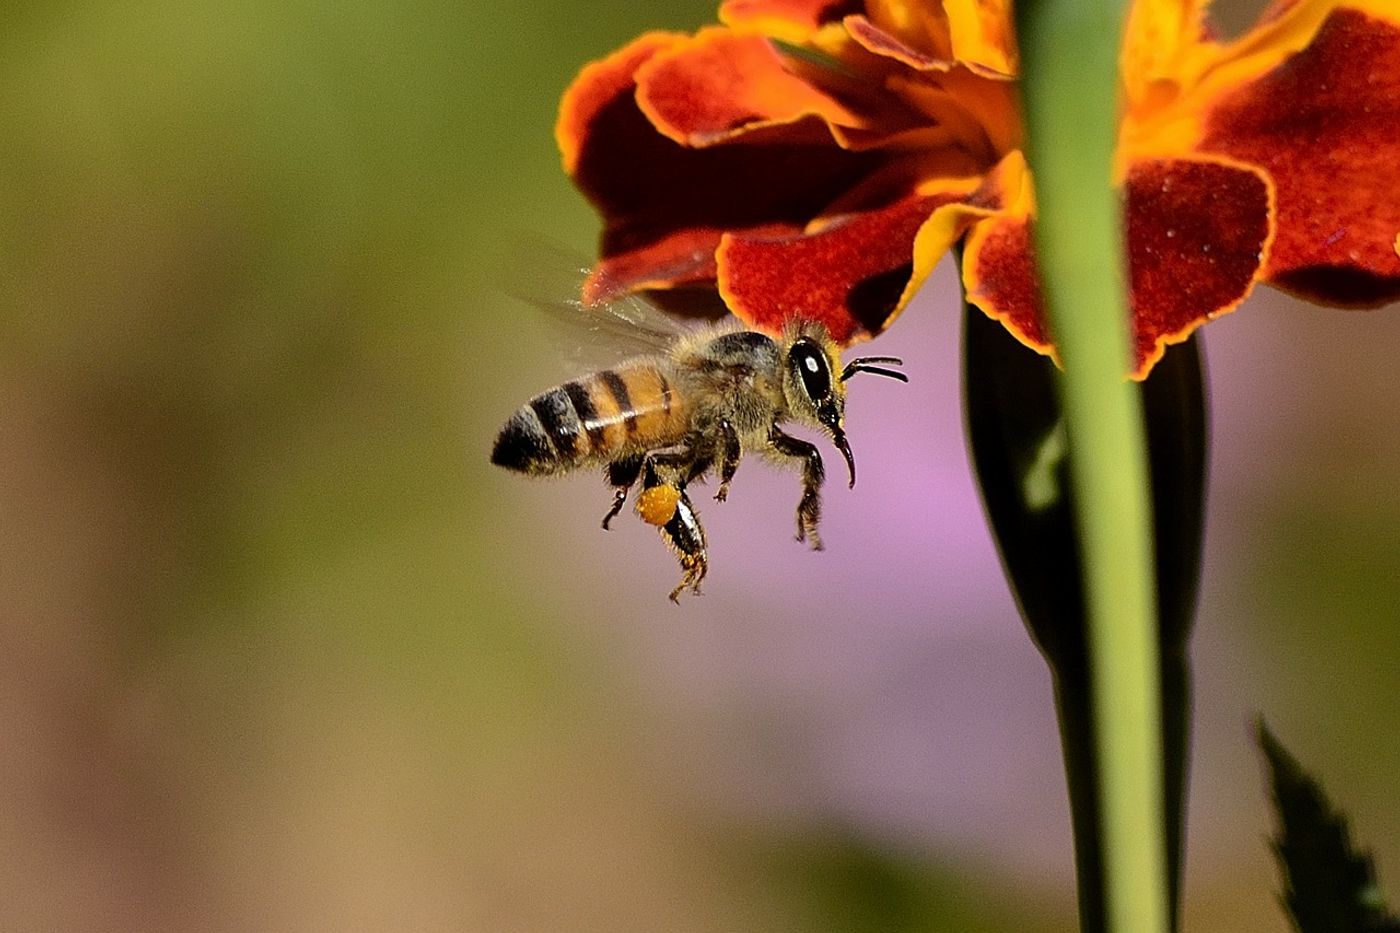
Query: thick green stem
[1069, 77]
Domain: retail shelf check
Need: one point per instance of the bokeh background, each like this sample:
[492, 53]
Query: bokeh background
[279, 650]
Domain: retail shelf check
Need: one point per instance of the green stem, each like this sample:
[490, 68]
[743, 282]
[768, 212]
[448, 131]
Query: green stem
[1069, 79]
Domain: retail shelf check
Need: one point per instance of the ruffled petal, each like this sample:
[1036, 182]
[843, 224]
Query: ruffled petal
[919, 26]
[982, 116]
[1286, 28]
[982, 36]
[1174, 72]
[932, 36]
[1000, 277]
[1197, 231]
[599, 86]
[665, 206]
[721, 84]
[790, 20]
[682, 258]
[879, 42]
[1323, 125]
[1007, 187]
[1157, 34]
[851, 275]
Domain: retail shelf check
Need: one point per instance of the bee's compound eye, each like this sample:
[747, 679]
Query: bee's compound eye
[811, 365]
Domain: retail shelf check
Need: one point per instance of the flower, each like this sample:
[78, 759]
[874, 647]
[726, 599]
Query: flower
[816, 158]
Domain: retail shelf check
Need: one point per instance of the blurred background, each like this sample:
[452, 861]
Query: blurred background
[280, 651]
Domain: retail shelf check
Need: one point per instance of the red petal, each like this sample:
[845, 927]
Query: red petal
[1197, 231]
[1000, 277]
[598, 86]
[1324, 126]
[680, 259]
[850, 275]
[722, 84]
[664, 205]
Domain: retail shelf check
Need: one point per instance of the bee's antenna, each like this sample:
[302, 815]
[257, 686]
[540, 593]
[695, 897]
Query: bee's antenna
[862, 365]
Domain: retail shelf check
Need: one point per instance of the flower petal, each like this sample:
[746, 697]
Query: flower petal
[1323, 125]
[1000, 277]
[790, 20]
[1174, 71]
[934, 36]
[851, 275]
[1007, 187]
[721, 84]
[1287, 27]
[998, 270]
[922, 26]
[598, 86]
[876, 40]
[1196, 231]
[665, 205]
[1158, 33]
[856, 272]
[982, 36]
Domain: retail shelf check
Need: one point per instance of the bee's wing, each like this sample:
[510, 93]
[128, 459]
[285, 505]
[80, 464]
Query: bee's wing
[589, 336]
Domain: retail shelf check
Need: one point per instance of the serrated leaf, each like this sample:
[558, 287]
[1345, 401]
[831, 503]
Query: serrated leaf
[1328, 886]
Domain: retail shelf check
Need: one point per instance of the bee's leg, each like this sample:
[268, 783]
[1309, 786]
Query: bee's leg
[698, 468]
[809, 509]
[687, 537]
[622, 474]
[729, 453]
[665, 472]
[663, 503]
[679, 458]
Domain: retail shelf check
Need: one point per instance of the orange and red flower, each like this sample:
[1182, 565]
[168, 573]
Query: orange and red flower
[816, 158]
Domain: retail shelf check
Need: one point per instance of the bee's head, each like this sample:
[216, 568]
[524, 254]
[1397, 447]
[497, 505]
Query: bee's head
[815, 393]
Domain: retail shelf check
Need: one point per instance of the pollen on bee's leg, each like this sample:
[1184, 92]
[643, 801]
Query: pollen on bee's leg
[657, 505]
[686, 537]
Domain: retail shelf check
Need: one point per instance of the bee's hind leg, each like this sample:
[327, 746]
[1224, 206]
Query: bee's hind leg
[622, 475]
[674, 465]
[663, 503]
[686, 536]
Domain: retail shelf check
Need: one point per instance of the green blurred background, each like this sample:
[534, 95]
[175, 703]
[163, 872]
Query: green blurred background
[279, 650]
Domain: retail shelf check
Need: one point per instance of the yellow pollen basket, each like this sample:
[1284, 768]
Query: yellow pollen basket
[657, 505]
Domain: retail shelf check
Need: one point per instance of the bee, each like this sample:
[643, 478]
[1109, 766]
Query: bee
[697, 403]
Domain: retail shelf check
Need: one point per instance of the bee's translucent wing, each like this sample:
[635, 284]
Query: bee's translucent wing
[548, 278]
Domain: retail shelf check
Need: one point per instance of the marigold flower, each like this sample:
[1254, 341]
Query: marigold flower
[816, 158]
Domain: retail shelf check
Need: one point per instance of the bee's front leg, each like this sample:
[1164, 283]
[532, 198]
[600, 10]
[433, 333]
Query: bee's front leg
[809, 509]
[728, 454]
[622, 475]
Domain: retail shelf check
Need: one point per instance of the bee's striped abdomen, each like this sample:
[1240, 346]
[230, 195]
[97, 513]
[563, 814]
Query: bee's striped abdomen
[591, 419]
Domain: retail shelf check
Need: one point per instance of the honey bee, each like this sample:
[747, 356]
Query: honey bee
[698, 402]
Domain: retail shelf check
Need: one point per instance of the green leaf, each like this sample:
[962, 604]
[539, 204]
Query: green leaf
[1329, 887]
